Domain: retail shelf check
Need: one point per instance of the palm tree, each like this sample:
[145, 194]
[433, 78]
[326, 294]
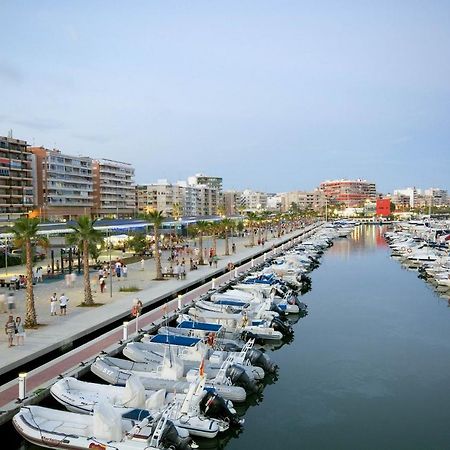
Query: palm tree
[202, 227]
[25, 235]
[227, 225]
[252, 218]
[214, 229]
[157, 217]
[84, 236]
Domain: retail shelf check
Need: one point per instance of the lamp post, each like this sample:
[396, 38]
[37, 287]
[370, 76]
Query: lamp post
[110, 267]
[6, 256]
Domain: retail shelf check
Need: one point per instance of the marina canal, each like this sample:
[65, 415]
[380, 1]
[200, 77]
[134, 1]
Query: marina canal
[368, 367]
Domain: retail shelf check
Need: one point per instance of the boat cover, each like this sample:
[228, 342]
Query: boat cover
[203, 326]
[172, 339]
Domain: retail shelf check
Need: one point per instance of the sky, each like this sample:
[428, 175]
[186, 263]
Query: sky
[271, 95]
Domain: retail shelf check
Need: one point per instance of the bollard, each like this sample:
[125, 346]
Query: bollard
[264, 257]
[213, 283]
[252, 264]
[180, 305]
[282, 246]
[137, 323]
[125, 331]
[22, 386]
[235, 272]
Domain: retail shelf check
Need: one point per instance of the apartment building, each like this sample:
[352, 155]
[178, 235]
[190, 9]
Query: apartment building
[114, 188]
[63, 184]
[16, 183]
[351, 193]
[304, 200]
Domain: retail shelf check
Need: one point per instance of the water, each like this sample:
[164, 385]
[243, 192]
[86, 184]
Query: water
[369, 366]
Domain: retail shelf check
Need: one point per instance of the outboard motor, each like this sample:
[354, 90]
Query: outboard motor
[246, 335]
[170, 438]
[278, 325]
[214, 406]
[258, 359]
[231, 347]
[277, 309]
[239, 377]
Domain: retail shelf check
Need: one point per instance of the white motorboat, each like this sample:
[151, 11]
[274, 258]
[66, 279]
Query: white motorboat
[188, 411]
[169, 376]
[105, 429]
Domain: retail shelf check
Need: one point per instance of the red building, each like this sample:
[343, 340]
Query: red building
[351, 193]
[383, 207]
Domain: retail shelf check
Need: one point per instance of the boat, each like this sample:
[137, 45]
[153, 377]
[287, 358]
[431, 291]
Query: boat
[169, 376]
[105, 429]
[190, 411]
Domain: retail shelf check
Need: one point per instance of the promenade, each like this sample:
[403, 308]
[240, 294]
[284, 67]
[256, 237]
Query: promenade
[59, 330]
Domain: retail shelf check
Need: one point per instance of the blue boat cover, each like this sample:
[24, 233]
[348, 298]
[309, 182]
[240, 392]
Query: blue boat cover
[172, 339]
[188, 324]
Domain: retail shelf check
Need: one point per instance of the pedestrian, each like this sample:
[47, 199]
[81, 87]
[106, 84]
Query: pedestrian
[215, 259]
[39, 274]
[63, 300]
[11, 303]
[233, 247]
[3, 302]
[118, 269]
[101, 272]
[125, 271]
[142, 263]
[10, 329]
[53, 300]
[20, 331]
[183, 270]
[210, 262]
[49, 270]
[102, 284]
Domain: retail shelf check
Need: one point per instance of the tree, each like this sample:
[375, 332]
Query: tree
[157, 217]
[214, 230]
[202, 227]
[138, 243]
[252, 223]
[84, 236]
[176, 211]
[227, 225]
[25, 235]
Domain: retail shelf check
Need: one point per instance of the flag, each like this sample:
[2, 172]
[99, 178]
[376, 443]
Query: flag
[202, 368]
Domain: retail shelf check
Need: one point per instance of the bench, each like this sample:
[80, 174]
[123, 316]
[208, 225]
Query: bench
[169, 274]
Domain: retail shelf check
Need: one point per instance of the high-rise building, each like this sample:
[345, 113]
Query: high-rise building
[351, 193]
[212, 182]
[63, 184]
[114, 188]
[252, 200]
[16, 188]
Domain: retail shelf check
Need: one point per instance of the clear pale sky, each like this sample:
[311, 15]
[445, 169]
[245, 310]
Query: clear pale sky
[271, 95]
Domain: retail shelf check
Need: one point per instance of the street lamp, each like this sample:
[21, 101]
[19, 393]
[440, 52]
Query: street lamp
[110, 266]
[6, 255]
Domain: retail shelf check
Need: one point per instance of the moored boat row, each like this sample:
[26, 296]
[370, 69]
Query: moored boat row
[184, 381]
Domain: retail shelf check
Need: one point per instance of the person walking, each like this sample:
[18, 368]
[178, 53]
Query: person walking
[10, 329]
[142, 263]
[125, 271]
[233, 247]
[11, 303]
[53, 303]
[63, 300]
[102, 282]
[20, 331]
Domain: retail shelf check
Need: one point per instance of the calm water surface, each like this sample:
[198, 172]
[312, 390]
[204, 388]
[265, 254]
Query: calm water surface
[369, 367]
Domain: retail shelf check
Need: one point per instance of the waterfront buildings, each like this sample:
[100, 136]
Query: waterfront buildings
[350, 193]
[16, 183]
[114, 188]
[63, 184]
[183, 198]
[412, 197]
[303, 200]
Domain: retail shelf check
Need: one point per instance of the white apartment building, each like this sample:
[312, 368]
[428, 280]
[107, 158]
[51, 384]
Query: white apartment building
[63, 184]
[114, 188]
[313, 200]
